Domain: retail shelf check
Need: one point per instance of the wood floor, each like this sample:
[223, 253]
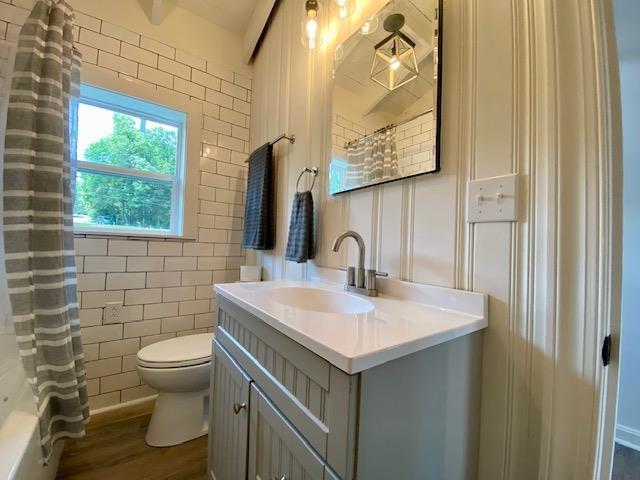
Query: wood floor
[117, 451]
[626, 464]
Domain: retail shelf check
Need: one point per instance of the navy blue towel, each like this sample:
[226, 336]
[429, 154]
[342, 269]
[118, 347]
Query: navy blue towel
[301, 245]
[259, 213]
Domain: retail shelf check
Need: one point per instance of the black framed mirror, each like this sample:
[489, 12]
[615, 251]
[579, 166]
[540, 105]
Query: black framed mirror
[386, 93]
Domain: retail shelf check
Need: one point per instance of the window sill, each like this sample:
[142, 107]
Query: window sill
[132, 235]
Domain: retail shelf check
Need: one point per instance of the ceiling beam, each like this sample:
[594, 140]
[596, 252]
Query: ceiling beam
[157, 10]
[256, 25]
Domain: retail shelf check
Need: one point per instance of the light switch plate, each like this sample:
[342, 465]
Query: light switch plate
[493, 199]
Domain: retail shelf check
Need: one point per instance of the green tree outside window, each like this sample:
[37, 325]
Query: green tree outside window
[115, 200]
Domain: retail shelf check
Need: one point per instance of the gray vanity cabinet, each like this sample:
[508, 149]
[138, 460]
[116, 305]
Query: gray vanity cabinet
[229, 414]
[297, 417]
[276, 450]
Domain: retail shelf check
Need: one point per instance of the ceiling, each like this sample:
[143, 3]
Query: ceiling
[353, 60]
[233, 15]
[245, 18]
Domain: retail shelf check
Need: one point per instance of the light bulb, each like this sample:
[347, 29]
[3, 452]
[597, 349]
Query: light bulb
[310, 24]
[394, 63]
[343, 10]
[312, 30]
[345, 7]
[369, 26]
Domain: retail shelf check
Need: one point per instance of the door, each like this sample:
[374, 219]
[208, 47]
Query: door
[276, 449]
[229, 424]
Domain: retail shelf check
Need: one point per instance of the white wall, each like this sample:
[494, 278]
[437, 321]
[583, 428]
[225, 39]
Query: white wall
[526, 89]
[627, 20]
[166, 286]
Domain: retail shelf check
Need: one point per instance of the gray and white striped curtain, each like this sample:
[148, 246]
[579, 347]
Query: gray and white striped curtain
[38, 220]
[373, 157]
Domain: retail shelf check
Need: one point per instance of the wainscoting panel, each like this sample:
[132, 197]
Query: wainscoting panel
[389, 240]
[527, 88]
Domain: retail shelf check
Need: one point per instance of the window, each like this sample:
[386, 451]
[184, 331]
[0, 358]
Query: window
[130, 161]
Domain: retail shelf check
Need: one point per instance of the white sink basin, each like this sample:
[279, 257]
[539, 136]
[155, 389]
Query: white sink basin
[317, 300]
[354, 332]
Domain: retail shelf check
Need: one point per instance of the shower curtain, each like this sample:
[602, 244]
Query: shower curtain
[371, 158]
[38, 221]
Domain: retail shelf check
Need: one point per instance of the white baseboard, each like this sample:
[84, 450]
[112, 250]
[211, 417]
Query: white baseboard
[123, 405]
[629, 437]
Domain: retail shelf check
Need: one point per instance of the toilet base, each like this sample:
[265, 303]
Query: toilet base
[178, 417]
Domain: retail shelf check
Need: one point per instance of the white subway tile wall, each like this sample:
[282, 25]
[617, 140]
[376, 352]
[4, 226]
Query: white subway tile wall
[416, 143]
[166, 286]
[344, 130]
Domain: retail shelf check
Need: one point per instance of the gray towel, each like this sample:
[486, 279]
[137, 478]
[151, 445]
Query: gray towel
[300, 245]
[259, 212]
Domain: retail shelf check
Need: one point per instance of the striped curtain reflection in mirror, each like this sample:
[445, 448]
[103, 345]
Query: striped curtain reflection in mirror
[372, 158]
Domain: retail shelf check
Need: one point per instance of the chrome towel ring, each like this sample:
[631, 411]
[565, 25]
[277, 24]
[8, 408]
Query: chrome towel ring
[314, 173]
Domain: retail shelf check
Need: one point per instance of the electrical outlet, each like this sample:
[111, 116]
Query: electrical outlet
[112, 312]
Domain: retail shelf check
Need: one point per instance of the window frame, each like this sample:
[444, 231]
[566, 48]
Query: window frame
[185, 180]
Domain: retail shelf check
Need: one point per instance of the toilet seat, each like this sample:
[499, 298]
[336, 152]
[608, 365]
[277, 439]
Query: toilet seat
[186, 351]
[186, 363]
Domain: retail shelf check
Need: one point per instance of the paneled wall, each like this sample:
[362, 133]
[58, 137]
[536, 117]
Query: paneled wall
[527, 88]
[166, 286]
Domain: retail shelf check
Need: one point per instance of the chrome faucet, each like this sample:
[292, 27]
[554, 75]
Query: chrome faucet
[359, 280]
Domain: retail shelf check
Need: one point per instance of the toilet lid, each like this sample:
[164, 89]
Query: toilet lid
[177, 352]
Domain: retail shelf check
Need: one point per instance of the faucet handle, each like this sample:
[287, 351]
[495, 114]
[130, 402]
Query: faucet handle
[351, 274]
[370, 279]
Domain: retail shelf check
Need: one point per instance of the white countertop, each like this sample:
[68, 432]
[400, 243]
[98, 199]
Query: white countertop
[407, 318]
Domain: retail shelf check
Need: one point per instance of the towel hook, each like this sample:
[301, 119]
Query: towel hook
[313, 171]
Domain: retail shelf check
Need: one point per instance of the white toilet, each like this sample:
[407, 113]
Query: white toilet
[179, 369]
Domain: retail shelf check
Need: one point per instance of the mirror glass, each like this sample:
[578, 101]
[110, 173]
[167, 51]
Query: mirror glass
[385, 117]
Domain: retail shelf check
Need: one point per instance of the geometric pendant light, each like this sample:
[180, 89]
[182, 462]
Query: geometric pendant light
[394, 61]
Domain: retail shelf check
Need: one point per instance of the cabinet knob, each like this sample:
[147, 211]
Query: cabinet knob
[237, 407]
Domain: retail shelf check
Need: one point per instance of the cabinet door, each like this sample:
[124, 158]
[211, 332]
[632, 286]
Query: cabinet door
[276, 450]
[319, 400]
[330, 474]
[229, 419]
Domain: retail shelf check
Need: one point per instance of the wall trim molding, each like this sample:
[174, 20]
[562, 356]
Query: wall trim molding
[122, 411]
[627, 436]
[408, 222]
